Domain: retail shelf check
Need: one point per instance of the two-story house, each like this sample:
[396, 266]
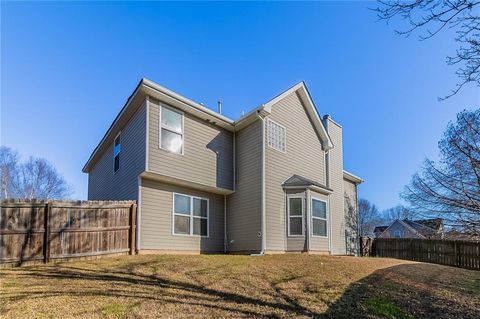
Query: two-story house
[270, 182]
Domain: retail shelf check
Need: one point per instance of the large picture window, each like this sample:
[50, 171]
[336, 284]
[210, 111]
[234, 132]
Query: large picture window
[319, 218]
[171, 130]
[295, 216]
[116, 153]
[276, 136]
[190, 215]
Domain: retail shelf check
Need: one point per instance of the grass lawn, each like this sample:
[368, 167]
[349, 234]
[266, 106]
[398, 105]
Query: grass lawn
[278, 286]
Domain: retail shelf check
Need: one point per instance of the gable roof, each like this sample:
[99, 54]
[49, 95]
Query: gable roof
[147, 87]
[297, 181]
[435, 223]
[302, 91]
[404, 224]
[422, 229]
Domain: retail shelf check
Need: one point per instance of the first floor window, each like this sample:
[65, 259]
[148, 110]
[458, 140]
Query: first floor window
[295, 216]
[319, 217]
[190, 215]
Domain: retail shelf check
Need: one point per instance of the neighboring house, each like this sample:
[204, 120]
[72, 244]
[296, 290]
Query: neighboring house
[378, 230]
[424, 228]
[270, 182]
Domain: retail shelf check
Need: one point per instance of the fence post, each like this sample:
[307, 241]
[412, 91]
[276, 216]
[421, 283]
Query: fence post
[46, 233]
[133, 228]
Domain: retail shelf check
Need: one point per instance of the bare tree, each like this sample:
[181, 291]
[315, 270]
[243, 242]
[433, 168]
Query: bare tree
[429, 17]
[35, 178]
[451, 188]
[8, 171]
[397, 212]
[368, 217]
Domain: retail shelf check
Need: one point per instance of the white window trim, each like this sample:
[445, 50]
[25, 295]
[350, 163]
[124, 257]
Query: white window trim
[399, 232]
[160, 127]
[314, 217]
[115, 171]
[190, 216]
[295, 216]
[268, 135]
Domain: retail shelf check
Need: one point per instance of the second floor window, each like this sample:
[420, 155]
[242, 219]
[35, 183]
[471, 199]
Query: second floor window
[171, 130]
[276, 136]
[116, 154]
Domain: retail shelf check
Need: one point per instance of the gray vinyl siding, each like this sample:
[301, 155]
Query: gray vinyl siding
[350, 193]
[103, 184]
[208, 152]
[304, 156]
[244, 206]
[320, 243]
[351, 217]
[296, 243]
[336, 184]
[156, 220]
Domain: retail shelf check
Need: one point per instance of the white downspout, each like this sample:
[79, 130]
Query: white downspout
[327, 172]
[308, 217]
[263, 213]
[224, 224]
[234, 163]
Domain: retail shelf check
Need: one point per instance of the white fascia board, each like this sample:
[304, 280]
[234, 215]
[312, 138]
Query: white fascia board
[353, 178]
[202, 110]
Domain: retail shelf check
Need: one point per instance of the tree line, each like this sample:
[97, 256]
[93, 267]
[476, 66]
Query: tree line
[448, 188]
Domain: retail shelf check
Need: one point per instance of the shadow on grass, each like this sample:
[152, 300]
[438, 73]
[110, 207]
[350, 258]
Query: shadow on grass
[417, 290]
[387, 293]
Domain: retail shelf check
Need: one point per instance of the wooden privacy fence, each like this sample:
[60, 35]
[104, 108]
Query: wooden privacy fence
[458, 253]
[45, 230]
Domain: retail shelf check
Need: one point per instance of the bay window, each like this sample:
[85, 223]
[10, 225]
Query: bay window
[319, 218]
[295, 216]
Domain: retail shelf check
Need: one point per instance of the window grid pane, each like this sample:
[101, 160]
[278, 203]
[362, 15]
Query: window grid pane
[200, 226]
[171, 141]
[182, 225]
[295, 205]
[182, 205]
[319, 227]
[199, 207]
[319, 209]
[171, 120]
[296, 226]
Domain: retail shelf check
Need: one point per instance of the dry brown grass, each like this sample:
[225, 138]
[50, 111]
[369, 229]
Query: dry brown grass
[286, 286]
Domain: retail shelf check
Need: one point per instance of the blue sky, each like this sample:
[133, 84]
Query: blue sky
[67, 69]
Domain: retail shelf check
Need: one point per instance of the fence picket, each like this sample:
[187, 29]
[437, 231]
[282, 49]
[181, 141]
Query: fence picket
[458, 253]
[41, 230]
